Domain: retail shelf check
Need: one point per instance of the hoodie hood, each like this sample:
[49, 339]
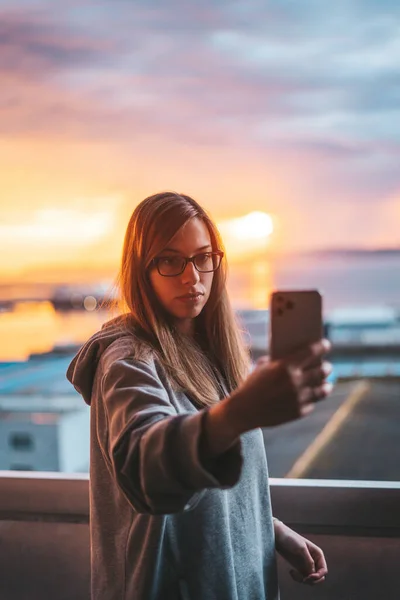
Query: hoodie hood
[83, 367]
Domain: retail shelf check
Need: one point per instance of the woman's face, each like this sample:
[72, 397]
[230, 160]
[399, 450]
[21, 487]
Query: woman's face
[185, 295]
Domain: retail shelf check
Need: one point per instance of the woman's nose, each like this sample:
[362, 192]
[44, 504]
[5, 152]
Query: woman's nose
[190, 274]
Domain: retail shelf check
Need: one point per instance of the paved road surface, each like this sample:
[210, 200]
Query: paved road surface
[354, 434]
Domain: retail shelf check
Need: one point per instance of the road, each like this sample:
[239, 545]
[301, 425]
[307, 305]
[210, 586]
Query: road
[354, 434]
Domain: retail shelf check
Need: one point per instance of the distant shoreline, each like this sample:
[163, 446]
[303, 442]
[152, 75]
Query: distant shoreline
[357, 252]
[87, 277]
[334, 252]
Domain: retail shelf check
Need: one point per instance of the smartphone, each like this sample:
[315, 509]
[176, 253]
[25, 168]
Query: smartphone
[295, 321]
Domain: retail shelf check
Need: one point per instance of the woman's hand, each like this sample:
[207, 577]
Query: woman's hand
[280, 391]
[307, 559]
[275, 392]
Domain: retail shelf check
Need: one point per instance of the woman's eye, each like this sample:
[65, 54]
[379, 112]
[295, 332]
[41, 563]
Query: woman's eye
[170, 261]
[203, 258]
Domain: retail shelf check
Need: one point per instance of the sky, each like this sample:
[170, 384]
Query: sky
[290, 108]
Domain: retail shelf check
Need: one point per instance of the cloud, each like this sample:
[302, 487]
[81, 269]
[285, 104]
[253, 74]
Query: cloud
[216, 68]
[287, 78]
[33, 44]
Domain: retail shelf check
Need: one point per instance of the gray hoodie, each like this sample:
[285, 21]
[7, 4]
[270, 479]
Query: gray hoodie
[163, 524]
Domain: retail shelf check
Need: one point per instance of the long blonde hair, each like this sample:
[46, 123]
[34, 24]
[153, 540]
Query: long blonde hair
[193, 364]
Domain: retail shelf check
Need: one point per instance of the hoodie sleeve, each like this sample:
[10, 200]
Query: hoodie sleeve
[154, 452]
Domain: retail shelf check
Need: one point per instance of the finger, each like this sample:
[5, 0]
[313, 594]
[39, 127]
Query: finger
[305, 562]
[318, 556]
[308, 355]
[311, 377]
[307, 409]
[263, 360]
[315, 377]
[317, 352]
[313, 580]
[314, 394]
[309, 580]
[296, 375]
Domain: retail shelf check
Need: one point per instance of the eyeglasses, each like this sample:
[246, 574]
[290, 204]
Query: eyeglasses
[171, 266]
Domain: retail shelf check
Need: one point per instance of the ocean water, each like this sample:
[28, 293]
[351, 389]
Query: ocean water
[351, 280]
[344, 280]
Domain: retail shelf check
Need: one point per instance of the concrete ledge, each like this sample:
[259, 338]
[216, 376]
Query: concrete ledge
[45, 550]
[348, 508]
[27, 496]
[311, 504]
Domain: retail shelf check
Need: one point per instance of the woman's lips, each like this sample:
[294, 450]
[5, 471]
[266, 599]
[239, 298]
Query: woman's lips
[190, 298]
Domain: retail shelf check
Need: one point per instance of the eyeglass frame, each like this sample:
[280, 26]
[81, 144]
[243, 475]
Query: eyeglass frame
[187, 260]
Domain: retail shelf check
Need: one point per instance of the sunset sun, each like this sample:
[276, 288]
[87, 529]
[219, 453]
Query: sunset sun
[248, 234]
[255, 225]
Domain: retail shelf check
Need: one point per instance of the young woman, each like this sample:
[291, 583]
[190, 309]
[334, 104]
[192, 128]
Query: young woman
[179, 498]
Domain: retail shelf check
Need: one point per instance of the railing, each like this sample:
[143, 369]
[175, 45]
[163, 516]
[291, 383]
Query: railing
[44, 536]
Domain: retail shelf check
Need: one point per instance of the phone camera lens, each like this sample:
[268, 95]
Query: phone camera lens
[279, 312]
[289, 305]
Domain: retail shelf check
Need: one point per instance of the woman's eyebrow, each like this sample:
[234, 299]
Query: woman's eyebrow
[179, 252]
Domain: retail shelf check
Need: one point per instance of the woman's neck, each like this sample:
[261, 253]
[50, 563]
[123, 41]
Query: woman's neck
[186, 326]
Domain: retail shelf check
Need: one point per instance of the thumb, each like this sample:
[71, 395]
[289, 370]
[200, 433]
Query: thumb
[263, 360]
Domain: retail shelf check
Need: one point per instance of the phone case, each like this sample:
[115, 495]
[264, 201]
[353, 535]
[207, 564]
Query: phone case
[295, 321]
